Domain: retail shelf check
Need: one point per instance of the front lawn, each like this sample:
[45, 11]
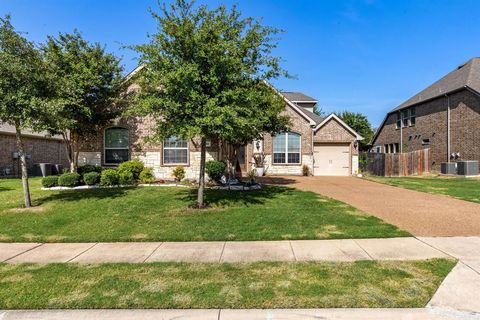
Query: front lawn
[461, 188]
[370, 284]
[163, 214]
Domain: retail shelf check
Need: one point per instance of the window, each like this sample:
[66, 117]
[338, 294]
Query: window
[405, 118]
[425, 142]
[412, 116]
[175, 151]
[397, 147]
[399, 119]
[286, 148]
[116, 145]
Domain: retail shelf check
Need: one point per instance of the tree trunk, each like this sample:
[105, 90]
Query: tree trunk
[201, 179]
[23, 163]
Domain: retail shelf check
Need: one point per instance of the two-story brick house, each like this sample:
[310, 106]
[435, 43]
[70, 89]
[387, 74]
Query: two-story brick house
[325, 144]
[444, 117]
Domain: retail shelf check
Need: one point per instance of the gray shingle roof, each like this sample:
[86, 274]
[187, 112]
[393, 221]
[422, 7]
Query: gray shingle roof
[466, 75]
[298, 97]
[315, 117]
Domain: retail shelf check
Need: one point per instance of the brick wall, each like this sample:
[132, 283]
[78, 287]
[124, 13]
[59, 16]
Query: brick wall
[431, 124]
[40, 149]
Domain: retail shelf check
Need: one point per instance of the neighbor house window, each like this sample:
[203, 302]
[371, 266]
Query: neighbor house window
[397, 147]
[116, 145]
[286, 148]
[413, 112]
[175, 151]
[399, 119]
[405, 117]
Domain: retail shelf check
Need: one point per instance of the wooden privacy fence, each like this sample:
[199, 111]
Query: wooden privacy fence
[399, 164]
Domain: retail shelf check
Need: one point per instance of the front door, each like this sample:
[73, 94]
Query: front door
[331, 160]
[242, 161]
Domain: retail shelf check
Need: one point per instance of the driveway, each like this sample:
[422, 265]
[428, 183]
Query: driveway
[420, 213]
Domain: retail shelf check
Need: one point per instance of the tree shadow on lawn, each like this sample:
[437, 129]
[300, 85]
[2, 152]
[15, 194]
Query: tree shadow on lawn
[229, 198]
[76, 195]
[3, 189]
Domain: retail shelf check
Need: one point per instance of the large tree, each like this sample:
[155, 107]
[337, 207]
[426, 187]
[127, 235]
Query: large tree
[87, 81]
[23, 88]
[206, 74]
[360, 124]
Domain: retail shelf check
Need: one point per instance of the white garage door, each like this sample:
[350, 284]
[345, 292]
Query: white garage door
[331, 160]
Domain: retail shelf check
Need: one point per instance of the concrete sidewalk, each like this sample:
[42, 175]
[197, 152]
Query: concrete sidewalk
[247, 251]
[227, 314]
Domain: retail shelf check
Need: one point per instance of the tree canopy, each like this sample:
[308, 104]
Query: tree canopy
[87, 81]
[205, 75]
[360, 124]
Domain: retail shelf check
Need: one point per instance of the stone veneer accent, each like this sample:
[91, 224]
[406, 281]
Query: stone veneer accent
[274, 169]
[92, 158]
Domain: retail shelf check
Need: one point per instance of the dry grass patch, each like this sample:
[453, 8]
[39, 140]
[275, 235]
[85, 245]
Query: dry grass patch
[360, 284]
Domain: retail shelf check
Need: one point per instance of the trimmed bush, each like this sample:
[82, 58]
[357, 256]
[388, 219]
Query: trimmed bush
[91, 178]
[179, 173]
[88, 168]
[146, 176]
[109, 177]
[50, 181]
[69, 180]
[215, 169]
[126, 178]
[133, 166]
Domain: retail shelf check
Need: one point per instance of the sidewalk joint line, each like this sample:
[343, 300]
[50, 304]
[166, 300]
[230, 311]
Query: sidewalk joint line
[19, 254]
[293, 252]
[358, 244]
[154, 250]
[221, 255]
[219, 313]
[78, 255]
[466, 265]
[431, 246]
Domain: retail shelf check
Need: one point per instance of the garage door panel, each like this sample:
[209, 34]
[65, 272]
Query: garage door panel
[331, 160]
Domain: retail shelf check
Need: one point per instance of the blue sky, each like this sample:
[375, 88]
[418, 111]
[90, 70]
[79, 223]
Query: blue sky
[360, 55]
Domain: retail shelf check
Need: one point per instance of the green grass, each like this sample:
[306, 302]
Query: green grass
[163, 214]
[394, 284]
[461, 188]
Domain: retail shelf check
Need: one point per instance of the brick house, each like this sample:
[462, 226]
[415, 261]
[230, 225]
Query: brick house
[326, 145]
[444, 117]
[39, 147]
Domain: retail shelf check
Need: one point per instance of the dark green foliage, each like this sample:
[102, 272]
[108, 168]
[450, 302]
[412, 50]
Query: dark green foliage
[50, 181]
[215, 169]
[91, 178]
[361, 125]
[89, 168]
[109, 177]
[69, 179]
[147, 176]
[179, 173]
[126, 178]
[135, 167]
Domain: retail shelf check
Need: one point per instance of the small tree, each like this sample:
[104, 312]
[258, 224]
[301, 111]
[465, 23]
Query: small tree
[23, 88]
[360, 124]
[87, 81]
[205, 77]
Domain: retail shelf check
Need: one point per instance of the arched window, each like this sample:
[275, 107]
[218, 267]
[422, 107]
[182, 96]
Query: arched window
[175, 151]
[286, 148]
[116, 145]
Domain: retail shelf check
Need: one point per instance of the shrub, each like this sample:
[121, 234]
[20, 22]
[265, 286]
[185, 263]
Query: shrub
[91, 178]
[305, 170]
[146, 176]
[69, 180]
[133, 166]
[179, 173]
[125, 178]
[109, 177]
[89, 168]
[215, 169]
[50, 181]
[252, 174]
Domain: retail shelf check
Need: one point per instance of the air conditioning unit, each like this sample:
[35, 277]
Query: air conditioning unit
[448, 168]
[467, 168]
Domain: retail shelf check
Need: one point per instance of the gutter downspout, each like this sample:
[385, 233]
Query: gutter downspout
[448, 127]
